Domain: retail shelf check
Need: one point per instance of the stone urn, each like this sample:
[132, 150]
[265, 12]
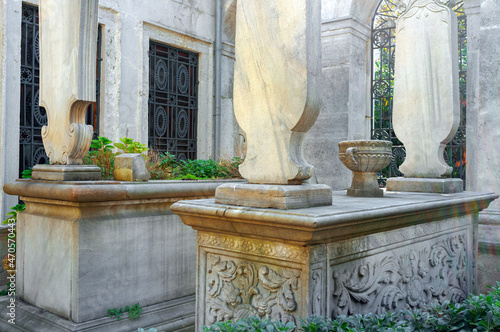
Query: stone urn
[365, 158]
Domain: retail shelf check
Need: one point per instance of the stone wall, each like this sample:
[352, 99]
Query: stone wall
[483, 121]
[345, 114]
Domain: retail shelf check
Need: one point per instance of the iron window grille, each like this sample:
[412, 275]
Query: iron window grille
[32, 116]
[173, 101]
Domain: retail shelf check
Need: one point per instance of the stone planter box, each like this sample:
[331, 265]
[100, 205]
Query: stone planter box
[85, 247]
[358, 255]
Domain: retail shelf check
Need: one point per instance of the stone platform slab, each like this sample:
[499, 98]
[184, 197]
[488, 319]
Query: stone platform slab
[357, 255]
[85, 247]
[176, 315]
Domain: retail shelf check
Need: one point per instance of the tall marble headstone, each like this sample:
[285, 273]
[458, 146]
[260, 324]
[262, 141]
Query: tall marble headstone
[426, 99]
[68, 35]
[277, 86]
[276, 101]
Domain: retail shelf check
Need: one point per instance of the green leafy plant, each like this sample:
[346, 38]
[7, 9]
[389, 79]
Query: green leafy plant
[13, 214]
[128, 145]
[251, 324]
[207, 169]
[26, 174]
[161, 166]
[165, 166]
[102, 143]
[101, 155]
[133, 312]
[479, 313]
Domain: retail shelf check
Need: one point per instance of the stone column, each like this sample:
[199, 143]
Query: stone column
[345, 112]
[426, 101]
[483, 121]
[276, 101]
[68, 34]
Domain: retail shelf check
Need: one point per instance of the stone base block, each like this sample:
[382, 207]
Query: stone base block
[130, 167]
[365, 192]
[374, 273]
[66, 173]
[175, 315]
[425, 185]
[274, 196]
[356, 256]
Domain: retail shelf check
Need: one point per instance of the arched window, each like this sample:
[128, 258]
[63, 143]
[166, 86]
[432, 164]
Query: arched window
[383, 48]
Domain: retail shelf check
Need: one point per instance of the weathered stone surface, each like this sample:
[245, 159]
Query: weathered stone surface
[346, 37]
[130, 167]
[67, 76]
[403, 268]
[426, 102]
[358, 255]
[328, 223]
[274, 196]
[85, 246]
[483, 121]
[277, 95]
[365, 158]
[66, 173]
[171, 316]
[425, 185]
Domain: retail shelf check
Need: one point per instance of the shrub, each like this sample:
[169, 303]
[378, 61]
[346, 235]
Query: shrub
[165, 166]
[101, 155]
[161, 166]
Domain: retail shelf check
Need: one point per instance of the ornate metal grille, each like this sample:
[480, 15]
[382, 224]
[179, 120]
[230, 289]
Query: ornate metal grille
[383, 51]
[173, 100]
[32, 116]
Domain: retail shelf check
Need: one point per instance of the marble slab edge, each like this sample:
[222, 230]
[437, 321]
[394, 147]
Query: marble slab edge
[98, 191]
[317, 225]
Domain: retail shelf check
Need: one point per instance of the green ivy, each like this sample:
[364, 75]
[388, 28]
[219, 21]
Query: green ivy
[133, 312]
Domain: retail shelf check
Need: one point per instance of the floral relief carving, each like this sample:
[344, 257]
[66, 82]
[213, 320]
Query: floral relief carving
[369, 242]
[241, 289]
[408, 280]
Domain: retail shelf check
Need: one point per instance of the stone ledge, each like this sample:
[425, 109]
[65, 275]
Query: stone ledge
[274, 196]
[425, 185]
[174, 315]
[347, 217]
[100, 191]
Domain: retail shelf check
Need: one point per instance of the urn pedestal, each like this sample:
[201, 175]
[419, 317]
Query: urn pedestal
[365, 158]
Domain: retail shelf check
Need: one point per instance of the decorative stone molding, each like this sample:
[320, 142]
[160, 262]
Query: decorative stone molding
[67, 76]
[403, 280]
[239, 289]
[253, 246]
